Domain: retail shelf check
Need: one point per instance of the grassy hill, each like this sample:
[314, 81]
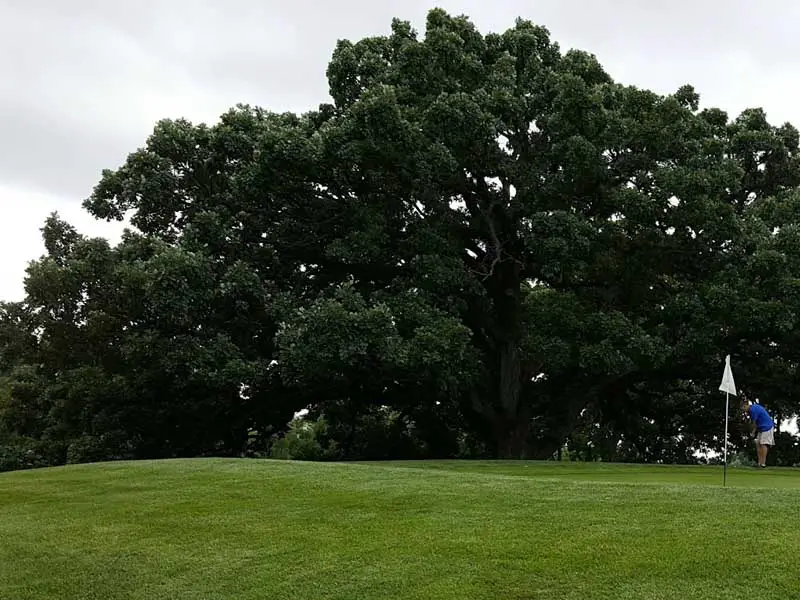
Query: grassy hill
[237, 529]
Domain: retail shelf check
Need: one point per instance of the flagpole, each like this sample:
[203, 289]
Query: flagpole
[729, 387]
[725, 452]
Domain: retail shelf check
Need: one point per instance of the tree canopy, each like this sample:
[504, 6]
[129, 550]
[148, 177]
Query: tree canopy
[483, 246]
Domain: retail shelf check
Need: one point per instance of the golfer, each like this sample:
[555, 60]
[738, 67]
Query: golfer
[763, 429]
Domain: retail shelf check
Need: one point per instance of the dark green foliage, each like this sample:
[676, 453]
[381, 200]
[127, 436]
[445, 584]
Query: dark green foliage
[484, 247]
[786, 452]
[377, 434]
[17, 453]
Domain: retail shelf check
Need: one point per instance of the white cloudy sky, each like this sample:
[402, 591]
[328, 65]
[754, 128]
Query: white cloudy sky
[82, 81]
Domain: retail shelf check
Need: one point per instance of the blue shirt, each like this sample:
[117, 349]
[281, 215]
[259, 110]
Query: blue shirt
[760, 417]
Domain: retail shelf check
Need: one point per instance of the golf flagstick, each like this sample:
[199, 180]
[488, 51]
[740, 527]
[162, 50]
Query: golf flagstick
[725, 452]
[729, 387]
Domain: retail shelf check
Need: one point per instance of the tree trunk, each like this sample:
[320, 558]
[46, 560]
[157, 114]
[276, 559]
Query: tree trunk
[512, 422]
[512, 436]
[510, 418]
[350, 437]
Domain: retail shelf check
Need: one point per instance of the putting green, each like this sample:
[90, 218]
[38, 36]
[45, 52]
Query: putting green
[246, 529]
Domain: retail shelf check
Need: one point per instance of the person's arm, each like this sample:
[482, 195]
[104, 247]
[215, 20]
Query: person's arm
[752, 422]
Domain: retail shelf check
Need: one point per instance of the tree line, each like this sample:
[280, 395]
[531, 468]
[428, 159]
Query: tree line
[483, 246]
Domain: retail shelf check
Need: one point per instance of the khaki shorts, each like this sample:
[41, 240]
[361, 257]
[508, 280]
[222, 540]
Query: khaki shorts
[766, 438]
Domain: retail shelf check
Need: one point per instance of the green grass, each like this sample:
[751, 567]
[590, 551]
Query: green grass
[217, 529]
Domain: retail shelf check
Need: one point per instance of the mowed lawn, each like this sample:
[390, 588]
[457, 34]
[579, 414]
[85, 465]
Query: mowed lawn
[248, 529]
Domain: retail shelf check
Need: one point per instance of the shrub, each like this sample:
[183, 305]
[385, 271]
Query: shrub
[99, 448]
[303, 441]
[24, 453]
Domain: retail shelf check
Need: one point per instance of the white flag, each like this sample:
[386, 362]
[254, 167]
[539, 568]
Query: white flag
[727, 384]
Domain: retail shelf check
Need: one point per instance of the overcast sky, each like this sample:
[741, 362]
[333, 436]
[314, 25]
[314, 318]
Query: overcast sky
[83, 81]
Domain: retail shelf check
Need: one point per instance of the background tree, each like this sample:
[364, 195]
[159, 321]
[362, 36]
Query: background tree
[501, 174]
[483, 246]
